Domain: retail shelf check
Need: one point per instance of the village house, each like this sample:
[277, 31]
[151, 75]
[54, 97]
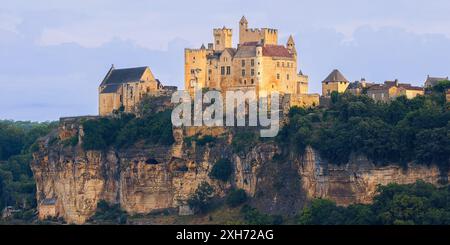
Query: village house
[47, 208]
[433, 81]
[335, 82]
[359, 87]
[393, 89]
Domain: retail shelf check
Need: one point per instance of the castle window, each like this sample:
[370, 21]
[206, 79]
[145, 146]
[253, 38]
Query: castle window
[217, 42]
[252, 81]
[278, 76]
[192, 71]
[222, 70]
[287, 76]
[252, 72]
[228, 70]
[243, 72]
[252, 62]
[278, 64]
[243, 63]
[245, 81]
[326, 83]
[209, 71]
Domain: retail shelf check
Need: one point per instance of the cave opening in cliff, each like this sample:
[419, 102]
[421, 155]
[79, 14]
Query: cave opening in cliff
[151, 161]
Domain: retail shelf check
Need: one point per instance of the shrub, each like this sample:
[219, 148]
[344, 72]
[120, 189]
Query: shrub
[200, 201]
[243, 140]
[126, 130]
[109, 213]
[205, 140]
[253, 217]
[222, 170]
[236, 198]
[415, 204]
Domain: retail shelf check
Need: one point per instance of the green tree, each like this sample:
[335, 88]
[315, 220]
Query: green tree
[200, 201]
[222, 170]
[236, 198]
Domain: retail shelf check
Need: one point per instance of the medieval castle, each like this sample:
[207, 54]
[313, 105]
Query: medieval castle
[257, 63]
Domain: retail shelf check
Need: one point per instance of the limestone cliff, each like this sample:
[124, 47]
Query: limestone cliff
[148, 178]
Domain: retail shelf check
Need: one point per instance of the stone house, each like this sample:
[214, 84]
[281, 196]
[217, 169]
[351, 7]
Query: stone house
[393, 89]
[123, 89]
[335, 82]
[432, 81]
[47, 208]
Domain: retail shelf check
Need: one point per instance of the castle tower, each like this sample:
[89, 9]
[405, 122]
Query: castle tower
[290, 45]
[243, 25]
[222, 38]
[335, 82]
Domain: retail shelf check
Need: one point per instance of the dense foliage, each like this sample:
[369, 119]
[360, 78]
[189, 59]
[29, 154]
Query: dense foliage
[252, 216]
[397, 132]
[126, 129]
[109, 213]
[201, 200]
[17, 186]
[236, 197]
[415, 204]
[222, 170]
[243, 139]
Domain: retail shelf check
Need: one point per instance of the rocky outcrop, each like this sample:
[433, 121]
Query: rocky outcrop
[357, 181]
[148, 178]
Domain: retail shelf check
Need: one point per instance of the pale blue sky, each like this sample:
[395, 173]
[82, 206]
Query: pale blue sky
[53, 54]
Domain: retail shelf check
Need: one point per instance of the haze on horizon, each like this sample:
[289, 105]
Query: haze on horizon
[54, 54]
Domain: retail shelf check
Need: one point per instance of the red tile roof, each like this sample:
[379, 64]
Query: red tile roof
[276, 51]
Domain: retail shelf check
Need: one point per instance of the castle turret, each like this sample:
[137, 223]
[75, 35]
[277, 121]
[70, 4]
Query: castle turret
[222, 38]
[290, 45]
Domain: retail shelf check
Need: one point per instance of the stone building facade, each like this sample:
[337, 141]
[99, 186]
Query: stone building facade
[335, 82]
[123, 89]
[258, 63]
[393, 89]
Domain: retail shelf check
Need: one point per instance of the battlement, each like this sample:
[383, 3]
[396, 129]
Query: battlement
[218, 31]
[262, 30]
[266, 35]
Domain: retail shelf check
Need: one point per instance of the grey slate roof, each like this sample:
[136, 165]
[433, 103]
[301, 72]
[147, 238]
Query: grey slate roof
[232, 51]
[246, 51]
[432, 81]
[119, 76]
[335, 76]
[112, 88]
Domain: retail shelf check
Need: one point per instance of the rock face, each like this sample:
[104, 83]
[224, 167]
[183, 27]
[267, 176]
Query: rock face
[357, 181]
[148, 178]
